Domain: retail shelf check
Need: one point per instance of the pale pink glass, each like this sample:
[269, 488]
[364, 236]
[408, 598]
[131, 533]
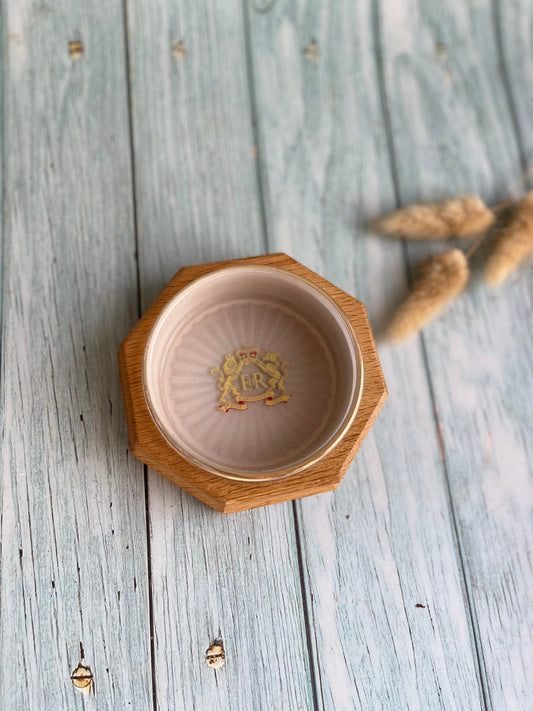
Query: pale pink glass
[261, 308]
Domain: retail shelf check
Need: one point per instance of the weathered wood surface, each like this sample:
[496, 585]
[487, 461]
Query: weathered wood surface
[74, 548]
[448, 108]
[261, 126]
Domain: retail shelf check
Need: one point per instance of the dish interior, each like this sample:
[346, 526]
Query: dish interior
[252, 372]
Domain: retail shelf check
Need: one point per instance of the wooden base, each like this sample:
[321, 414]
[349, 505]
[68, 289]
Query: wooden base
[225, 495]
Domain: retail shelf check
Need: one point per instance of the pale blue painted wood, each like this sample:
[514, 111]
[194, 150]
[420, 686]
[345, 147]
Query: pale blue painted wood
[391, 627]
[452, 129]
[74, 583]
[417, 570]
[195, 178]
[237, 576]
[513, 22]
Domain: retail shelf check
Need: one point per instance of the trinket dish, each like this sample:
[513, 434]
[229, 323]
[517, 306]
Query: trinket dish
[250, 382]
[252, 372]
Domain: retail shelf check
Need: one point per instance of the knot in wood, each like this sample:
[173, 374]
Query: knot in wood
[82, 678]
[75, 49]
[179, 51]
[215, 656]
[311, 51]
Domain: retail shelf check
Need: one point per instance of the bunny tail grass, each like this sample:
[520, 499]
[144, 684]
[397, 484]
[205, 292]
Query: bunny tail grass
[460, 217]
[440, 280]
[513, 242]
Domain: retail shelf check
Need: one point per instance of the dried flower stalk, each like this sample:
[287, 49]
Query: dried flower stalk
[459, 217]
[513, 242]
[440, 280]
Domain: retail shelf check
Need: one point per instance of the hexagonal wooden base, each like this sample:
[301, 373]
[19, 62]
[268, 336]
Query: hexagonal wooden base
[226, 495]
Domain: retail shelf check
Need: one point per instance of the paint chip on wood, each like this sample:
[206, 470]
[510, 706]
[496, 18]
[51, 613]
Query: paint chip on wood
[75, 49]
[179, 51]
[82, 678]
[215, 656]
[488, 449]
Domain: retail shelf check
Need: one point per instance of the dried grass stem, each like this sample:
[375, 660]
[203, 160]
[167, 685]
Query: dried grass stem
[513, 241]
[439, 281]
[460, 217]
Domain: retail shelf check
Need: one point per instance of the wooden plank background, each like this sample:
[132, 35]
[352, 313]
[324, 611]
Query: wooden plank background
[74, 545]
[195, 131]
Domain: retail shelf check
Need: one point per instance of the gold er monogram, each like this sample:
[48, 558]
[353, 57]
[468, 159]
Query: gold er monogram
[237, 387]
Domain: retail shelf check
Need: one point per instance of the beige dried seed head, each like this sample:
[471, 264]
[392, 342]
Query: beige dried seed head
[512, 243]
[440, 280]
[460, 217]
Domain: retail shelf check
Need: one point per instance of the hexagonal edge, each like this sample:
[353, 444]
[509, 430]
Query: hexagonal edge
[146, 441]
[225, 495]
[148, 444]
[188, 274]
[327, 474]
[131, 351]
[375, 390]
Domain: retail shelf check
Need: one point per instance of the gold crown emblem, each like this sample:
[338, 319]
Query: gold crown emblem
[238, 387]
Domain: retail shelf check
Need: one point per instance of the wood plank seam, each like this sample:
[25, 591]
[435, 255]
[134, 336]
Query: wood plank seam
[151, 630]
[460, 554]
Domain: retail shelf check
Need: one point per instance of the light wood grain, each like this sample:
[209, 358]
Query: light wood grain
[448, 107]
[234, 577]
[225, 495]
[74, 561]
[390, 624]
[512, 29]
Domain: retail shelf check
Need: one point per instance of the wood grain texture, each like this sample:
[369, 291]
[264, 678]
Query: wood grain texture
[512, 27]
[74, 558]
[417, 577]
[196, 183]
[390, 623]
[225, 495]
[448, 107]
[234, 577]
